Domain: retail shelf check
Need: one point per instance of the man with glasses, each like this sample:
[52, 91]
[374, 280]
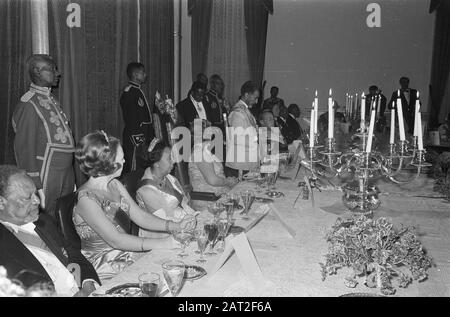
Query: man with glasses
[43, 142]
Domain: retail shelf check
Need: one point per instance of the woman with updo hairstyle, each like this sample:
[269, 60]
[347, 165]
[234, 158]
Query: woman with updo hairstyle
[100, 200]
[160, 193]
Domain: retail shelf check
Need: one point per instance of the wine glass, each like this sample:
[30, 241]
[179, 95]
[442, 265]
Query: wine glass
[248, 197]
[223, 225]
[173, 272]
[183, 237]
[212, 231]
[149, 284]
[215, 209]
[202, 242]
[229, 207]
[260, 180]
[271, 180]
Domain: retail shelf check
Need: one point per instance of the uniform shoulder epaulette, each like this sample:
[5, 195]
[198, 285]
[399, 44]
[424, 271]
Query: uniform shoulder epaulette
[27, 96]
[127, 88]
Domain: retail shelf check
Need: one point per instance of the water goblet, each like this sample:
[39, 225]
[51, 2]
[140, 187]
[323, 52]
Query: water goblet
[229, 207]
[213, 232]
[248, 197]
[215, 209]
[223, 225]
[173, 272]
[149, 284]
[183, 237]
[202, 242]
[271, 180]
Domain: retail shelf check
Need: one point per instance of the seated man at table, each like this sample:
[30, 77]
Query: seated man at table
[31, 248]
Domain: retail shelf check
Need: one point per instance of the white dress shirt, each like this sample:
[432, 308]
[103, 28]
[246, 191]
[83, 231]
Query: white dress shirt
[200, 109]
[63, 280]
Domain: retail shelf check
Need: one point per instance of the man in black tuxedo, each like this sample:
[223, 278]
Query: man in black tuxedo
[408, 97]
[193, 106]
[31, 247]
[293, 127]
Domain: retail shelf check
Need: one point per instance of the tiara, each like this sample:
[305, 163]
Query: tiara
[153, 144]
[105, 135]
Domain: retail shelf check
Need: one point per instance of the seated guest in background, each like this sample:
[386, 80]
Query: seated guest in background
[293, 127]
[444, 129]
[159, 192]
[273, 100]
[206, 171]
[280, 116]
[242, 150]
[267, 120]
[100, 200]
[31, 247]
[192, 107]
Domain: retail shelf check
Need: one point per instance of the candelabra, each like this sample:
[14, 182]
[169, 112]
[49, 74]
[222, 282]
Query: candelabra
[363, 198]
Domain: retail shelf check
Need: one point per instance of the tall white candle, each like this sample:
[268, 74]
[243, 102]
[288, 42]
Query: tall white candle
[330, 117]
[311, 129]
[371, 126]
[416, 115]
[419, 132]
[392, 135]
[378, 106]
[346, 104]
[401, 125]
[316, 112]
[363, 111]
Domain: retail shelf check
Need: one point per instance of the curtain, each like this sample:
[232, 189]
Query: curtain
[15, 47]
[256, 19]
[440, 68]
[227, 51]
[156, 47]
[200, 12]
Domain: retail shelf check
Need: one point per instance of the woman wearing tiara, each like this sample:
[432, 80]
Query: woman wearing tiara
[159, 192]
[103, 241]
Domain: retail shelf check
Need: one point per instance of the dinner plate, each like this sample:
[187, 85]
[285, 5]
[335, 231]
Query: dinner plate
[125, 290]
[194, 272]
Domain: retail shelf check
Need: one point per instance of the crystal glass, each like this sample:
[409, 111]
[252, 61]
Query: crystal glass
[223, 225]
[149, 284]
[248, 197]
[229, 207]
[202, 241]
[215, 209]
[212, 230]
[271, 180]
[173, 272]
[183, 237]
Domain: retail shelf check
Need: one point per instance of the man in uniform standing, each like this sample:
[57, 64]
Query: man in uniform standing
[137, 115]
[43, 142]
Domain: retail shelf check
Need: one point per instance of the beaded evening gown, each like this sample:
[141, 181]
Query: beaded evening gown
[107, 261]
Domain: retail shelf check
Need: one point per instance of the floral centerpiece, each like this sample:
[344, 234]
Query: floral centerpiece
[375, 251]
[165, 106]
[14, 288]
[441, 173]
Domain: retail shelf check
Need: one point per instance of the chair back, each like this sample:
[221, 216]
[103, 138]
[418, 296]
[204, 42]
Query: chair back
[63, 214]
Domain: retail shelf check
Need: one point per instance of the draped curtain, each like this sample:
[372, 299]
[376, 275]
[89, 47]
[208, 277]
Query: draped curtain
[15, 47]
[200, 12]
[227, 51]
[440, 64]
[256, 20]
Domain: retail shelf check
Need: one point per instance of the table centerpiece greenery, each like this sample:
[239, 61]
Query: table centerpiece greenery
[377, 252]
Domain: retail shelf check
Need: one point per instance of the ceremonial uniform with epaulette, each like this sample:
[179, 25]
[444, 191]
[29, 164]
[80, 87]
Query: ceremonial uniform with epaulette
[137, 116]
[44, 144]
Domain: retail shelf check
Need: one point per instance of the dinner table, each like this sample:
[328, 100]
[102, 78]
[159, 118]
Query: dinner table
[290, 263]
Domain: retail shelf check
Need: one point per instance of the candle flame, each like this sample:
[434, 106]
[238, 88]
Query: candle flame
[363, 95]
[316, 93]
[417, 95]
[330, 92]
[398, 93]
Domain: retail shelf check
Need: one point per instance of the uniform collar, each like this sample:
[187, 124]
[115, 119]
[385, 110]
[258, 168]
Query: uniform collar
[136, 85]
[41, 90]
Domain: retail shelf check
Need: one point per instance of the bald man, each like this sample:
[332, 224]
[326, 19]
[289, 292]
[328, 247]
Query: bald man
[43, 142]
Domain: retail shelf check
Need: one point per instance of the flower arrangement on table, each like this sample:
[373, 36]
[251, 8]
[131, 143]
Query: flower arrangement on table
[441, 173]
[376, 251]
[165, 106]
[14, 288]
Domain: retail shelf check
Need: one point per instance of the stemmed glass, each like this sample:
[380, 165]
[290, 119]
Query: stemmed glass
[229, 207]
[271, 180]
[149, 284]
[183, 237]
[173, 272]
[260, 183]
[202, 242]
[215, 209]
[223, 225]
[247, 198]
[212, 231]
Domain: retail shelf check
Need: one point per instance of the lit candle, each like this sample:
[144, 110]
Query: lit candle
[371, 126]
[363, 111]
[330, 117]
[311, 129]
[392, 136]
[316, 112]
[379, 106]
[419, 132]
[416, 115]
[401, 125]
